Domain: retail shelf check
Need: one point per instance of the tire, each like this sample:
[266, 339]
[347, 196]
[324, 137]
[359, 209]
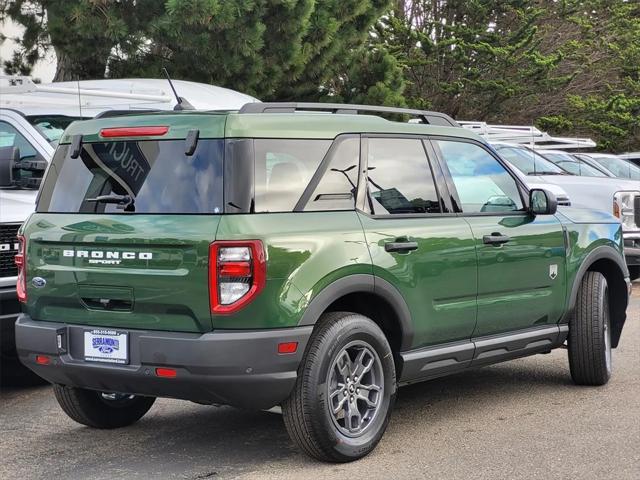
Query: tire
[358, 426]
[590, 333]
[100, 410]
[634, 272]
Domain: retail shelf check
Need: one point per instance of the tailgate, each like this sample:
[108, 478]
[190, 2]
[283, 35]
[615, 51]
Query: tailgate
[134, 271]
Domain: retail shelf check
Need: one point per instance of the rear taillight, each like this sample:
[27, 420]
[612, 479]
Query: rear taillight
[237, 273]
[20, 259]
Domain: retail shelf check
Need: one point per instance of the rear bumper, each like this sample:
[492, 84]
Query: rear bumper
[239, 368]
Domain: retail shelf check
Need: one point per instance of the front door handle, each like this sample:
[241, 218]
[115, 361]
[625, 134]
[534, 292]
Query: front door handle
[495, 239]
[401, 246]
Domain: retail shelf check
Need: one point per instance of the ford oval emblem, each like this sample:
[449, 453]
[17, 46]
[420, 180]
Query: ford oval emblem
[38, 282]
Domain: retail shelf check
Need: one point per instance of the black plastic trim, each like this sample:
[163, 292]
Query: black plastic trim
[436, 361]
[235, 367]
[362, 283]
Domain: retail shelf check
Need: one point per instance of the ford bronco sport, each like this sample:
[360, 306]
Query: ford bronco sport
[300, 255]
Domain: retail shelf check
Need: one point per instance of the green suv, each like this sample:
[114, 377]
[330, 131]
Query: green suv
[310, 256]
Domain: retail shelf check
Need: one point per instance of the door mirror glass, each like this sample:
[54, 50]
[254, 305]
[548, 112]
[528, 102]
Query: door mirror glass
[542, 202]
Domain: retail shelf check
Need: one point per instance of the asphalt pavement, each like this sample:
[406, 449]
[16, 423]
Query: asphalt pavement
[522, 419]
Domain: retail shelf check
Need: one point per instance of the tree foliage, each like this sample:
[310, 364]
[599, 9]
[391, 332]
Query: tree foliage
[570, 66]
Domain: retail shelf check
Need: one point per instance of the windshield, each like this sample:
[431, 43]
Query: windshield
[51, 127]
[572, 165]
[619, 167]
[529, 162]
[148, 176]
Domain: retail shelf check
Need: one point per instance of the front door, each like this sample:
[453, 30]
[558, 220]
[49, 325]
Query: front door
[521, 257]
[426, 253]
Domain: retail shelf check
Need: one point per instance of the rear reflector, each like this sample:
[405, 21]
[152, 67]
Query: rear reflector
[43, 360]
[288, 347]
[133, 131]
[166, 372]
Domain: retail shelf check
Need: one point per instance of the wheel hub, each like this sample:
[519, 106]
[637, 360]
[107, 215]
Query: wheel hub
[355, 388]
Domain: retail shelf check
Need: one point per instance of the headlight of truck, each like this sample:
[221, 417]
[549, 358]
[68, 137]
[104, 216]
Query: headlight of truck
[624, 209]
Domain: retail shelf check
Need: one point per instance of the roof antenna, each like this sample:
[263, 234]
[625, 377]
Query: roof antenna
[182, 104]
[79, 98]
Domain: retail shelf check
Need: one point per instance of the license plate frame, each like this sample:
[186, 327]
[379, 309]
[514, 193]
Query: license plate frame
[106, 346]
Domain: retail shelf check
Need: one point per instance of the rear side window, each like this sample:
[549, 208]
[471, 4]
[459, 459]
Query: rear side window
[338, 185]
[399, 178]
[283, 169]
[156, 176]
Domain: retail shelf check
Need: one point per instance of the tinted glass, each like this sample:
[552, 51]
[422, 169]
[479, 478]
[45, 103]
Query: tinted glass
[528, 161]
[399, 178]
[156, 175]
[337, 187]
[51, 127]
[10, 137]
[483, 184]
[573, 165]
[283, 169]
[619, 167]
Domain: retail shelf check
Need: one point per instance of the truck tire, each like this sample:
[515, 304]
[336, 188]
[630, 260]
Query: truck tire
[101, 410]
[634, 272]
[345, 390]
[590, 333]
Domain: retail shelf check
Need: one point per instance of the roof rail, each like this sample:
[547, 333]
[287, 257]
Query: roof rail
[528, 135]
[431, 118]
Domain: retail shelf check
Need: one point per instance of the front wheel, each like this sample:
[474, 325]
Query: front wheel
[590, 333]
[100, 409]
[346, 387]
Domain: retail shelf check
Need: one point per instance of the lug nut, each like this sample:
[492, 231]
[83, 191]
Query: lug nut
[357, 390]
[352, 398]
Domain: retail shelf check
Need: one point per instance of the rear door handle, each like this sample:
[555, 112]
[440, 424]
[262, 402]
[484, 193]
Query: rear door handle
[495, 239]
[402, 246]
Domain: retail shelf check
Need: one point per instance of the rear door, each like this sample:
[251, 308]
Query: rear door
[521, 257]
[416, 243]
[122, 232]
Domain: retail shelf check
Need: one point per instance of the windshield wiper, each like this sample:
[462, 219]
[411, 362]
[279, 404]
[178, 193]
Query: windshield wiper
[122, 201]
[545, 172]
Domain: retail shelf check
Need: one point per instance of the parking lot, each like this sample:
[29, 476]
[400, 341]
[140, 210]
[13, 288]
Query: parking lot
[523, 419]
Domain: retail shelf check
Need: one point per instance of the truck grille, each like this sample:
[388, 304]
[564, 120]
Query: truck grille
[8, 249]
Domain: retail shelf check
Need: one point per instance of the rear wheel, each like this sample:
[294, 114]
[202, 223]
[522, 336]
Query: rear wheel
[346, 386]
[100, 409]
[590, 333]
[634, 272]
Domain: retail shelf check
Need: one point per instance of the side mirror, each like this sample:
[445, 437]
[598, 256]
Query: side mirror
[542, 202]
[9, 156]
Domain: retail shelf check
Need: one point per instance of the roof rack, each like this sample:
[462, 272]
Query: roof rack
[527, 135]
[431, 118]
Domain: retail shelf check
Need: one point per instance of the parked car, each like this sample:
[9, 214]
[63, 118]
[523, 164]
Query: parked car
[621, 168]
[278, 256]
[574, 164]
[32, 119]
[633, 157]
[614, 195]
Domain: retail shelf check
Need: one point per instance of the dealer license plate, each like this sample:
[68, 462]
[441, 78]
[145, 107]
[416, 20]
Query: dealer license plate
[107, 346]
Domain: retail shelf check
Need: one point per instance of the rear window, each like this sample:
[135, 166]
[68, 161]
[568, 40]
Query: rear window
[151, 177]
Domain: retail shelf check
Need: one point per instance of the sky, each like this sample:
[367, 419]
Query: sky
[44, 70]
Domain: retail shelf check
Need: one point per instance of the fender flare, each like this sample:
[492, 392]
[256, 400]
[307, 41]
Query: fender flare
[365, 283]
[618, 311]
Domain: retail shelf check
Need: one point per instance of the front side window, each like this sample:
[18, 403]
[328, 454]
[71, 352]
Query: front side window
[483, 184]
[400, 178]
[10, 137]
[135, 177]
[283, 169]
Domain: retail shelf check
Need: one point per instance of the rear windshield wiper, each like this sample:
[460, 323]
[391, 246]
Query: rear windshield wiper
[122, 201]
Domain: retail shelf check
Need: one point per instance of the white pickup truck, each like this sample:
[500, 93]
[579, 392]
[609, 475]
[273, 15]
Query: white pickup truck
[32, 119]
